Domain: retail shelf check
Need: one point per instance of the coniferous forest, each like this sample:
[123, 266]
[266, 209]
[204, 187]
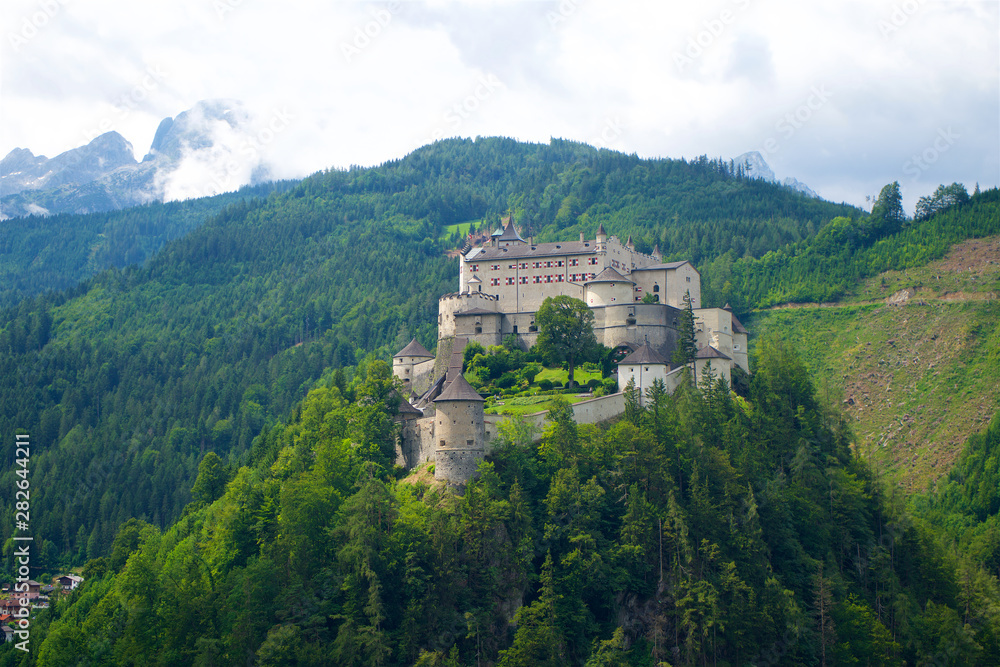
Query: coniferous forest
[213, 434]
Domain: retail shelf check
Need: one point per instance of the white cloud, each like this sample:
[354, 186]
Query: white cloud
[368, 82]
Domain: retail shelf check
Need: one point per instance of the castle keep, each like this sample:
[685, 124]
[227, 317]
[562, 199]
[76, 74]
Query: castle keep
[502, 285]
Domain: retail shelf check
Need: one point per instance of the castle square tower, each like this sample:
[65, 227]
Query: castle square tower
[643, 367]
[668, 283]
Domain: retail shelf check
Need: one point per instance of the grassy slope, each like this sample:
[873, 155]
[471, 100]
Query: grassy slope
[917, 378]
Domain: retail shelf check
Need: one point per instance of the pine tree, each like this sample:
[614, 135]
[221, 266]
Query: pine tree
[687, 349]
[633, 411]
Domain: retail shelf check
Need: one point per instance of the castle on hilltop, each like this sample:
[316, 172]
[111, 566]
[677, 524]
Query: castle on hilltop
[502, 285]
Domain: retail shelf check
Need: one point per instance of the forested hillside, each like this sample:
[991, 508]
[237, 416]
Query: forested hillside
[39, 254]
[844, 253]
[125, 381]
[703, 529]
[913, 353]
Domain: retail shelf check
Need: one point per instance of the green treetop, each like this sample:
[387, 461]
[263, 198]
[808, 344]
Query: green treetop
[565, 331]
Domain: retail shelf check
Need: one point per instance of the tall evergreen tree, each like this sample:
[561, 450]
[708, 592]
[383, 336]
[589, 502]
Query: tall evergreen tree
[687, 349]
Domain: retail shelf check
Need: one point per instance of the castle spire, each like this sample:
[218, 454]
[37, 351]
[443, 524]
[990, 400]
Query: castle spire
[602, 236]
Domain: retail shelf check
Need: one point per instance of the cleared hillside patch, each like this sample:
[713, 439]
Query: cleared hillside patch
[914, 361]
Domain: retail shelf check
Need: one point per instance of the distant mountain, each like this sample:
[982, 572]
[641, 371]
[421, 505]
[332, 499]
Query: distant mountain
[757, 167]
[191, 156]
[22, 170]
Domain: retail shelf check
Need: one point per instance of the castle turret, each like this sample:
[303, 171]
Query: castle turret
[510, 237]
[602, 238]
[460, 432]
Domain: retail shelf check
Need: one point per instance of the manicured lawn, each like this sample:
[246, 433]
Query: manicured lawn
[581, 376]
[526, 405]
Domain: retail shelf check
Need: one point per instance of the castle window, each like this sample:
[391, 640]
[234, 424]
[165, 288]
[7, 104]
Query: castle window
[523, 280]
[548, 279]
[515, 328]
[475, 267]
[559, 278]
[574, 262]
[592, 260]
[479, 330]
[536, 279]
[442, 443]
[512, 266]
[510, 281]
[522, 265]
[548, 265]
[536, 265]
[630, 321]
[736, 346]
[494, 267]
[494, 282]
[656, 288]
[560, 263]
[688, 279]
[469, 443]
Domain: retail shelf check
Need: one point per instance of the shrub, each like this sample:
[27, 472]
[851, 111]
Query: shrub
[530, 371]
[545, 385]
[506, 381]
[610, 385]
[556, 384]
[593, 384]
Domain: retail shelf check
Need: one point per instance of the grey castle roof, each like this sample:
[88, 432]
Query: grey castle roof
[510, 234]
[608, 275]
[560, 249]
[710, 353]
[738, 326]
[459, 389]
[669, 266]
[644, 355]
[407, 410]
[414, 349]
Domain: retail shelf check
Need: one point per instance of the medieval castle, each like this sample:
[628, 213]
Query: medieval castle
[501, 287]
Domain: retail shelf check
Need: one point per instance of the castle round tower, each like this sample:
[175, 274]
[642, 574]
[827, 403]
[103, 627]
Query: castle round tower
[412, 362]
[460, 432]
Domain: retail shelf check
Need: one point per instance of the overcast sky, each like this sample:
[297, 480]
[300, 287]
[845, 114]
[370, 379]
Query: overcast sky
[844, 95]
